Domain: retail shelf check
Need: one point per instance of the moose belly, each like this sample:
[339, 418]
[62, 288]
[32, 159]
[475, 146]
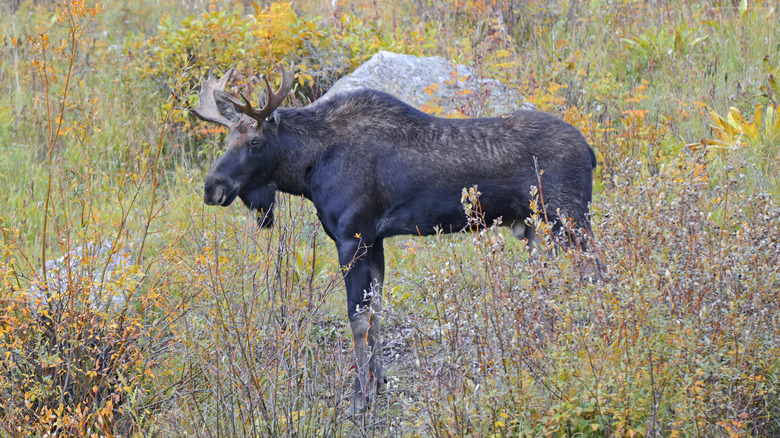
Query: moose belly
[439, 208]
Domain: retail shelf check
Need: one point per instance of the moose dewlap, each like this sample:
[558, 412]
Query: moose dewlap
[375, 167]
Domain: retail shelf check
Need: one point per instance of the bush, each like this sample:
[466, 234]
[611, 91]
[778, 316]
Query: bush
[679, 340]
[323, 50]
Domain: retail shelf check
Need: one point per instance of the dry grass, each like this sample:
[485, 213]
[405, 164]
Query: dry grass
[217, 328]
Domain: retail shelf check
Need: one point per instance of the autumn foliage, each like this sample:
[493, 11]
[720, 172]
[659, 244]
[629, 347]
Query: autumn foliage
[128, 308]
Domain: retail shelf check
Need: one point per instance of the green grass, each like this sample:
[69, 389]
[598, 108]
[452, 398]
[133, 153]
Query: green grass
[233, 331]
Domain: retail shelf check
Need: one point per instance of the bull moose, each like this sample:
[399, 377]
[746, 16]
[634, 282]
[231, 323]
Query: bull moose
[375, 167]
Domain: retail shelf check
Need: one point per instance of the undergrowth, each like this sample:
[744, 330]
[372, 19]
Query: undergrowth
[128, 308]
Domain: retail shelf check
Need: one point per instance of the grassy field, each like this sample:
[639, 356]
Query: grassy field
[225, 330]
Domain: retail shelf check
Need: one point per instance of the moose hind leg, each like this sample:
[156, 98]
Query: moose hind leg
[528, 233]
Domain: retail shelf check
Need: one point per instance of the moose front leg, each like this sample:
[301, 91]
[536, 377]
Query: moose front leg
[356, 259]
[376, 362]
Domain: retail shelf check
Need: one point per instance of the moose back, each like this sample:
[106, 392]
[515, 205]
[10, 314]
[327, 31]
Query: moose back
[375, 167]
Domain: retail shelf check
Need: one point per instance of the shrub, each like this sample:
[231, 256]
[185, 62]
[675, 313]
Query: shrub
[323, 50]
[528, 349]
[78, 335]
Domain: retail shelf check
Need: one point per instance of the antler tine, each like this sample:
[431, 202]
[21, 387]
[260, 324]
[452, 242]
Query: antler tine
[268, 92]
[273, 100]
[246, 107]
[224, 79]
[207, 107]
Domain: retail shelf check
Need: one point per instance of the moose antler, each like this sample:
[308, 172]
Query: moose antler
[207, 107]
[273, 100]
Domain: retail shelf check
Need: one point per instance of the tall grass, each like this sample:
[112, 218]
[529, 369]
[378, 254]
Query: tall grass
[216, 328]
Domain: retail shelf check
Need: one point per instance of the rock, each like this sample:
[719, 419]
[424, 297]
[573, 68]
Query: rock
[433, 85]
[86, 264]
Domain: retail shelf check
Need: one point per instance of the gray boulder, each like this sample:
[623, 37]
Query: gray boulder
[83, 268]
[432, 84]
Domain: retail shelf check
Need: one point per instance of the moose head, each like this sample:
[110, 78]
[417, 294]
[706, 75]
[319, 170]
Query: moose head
[246, 166]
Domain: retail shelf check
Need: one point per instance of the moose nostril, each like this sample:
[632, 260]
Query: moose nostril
[213, 194]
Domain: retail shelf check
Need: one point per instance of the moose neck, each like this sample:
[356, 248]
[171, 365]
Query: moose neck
[298, 146]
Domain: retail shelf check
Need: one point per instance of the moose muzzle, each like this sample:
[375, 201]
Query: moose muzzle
[218, 192]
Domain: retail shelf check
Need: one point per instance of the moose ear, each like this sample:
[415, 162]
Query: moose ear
[226, 105]
[275, 118]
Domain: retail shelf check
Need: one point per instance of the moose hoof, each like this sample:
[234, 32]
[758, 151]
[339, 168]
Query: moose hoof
[362, 397]
[359, 403]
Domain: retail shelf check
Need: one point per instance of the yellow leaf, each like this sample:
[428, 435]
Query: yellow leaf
[594, 426]
[772, 125]
[735, 119]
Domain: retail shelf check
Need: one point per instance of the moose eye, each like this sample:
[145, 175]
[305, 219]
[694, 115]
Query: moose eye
[255, 143]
